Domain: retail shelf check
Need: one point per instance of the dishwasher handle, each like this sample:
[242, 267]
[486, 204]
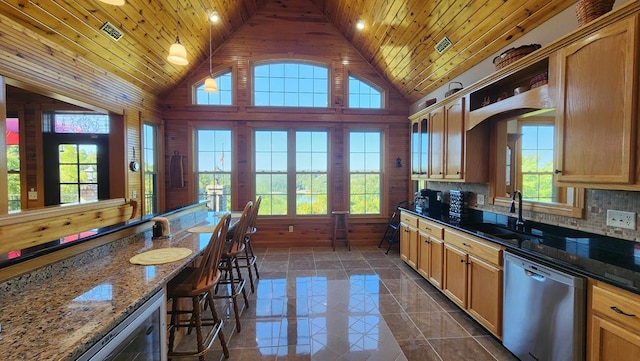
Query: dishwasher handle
[535, 276]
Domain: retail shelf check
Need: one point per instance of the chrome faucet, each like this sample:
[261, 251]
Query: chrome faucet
[512, 209]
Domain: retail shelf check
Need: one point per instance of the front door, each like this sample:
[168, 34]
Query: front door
[76, 168]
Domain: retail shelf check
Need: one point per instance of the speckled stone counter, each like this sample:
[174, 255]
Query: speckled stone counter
[58, 313]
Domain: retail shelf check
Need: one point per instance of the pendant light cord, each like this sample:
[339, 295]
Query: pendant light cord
[210, 60]
[177, 23]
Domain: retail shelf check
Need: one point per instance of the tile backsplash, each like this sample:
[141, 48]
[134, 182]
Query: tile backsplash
[597, 202]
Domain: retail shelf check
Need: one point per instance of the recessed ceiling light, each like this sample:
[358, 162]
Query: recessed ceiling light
[214, 17]
[359, 24]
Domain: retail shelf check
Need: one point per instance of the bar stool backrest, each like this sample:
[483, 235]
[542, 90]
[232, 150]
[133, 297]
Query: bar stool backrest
[207, 273]
[254, 215]
[240, 230]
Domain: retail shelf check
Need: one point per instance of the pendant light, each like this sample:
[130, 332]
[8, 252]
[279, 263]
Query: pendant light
[114, 2]
[210, 85]
[177, 51]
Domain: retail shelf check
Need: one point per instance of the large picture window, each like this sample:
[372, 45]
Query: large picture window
[365, 172]
[306, 192]
[214, 160]
[289, 84]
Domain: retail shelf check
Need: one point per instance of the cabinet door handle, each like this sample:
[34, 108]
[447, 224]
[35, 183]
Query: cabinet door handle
[461, 261]
[426, 241]
[621, 312]
[558, 171]
[465, 244]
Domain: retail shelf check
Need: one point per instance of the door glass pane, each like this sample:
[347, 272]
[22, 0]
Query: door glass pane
[69, 193]
[68, 173]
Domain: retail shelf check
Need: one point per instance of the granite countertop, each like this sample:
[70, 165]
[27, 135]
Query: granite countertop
[60, 315]
[612, 260]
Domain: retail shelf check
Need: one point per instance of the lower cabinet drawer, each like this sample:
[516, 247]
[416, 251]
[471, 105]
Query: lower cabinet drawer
[477, 247]
[431, 228]
[409, 219]
[617, 304]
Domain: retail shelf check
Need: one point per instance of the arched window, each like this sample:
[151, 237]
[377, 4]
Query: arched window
[363, 94]
[290, 84]
[224, 96]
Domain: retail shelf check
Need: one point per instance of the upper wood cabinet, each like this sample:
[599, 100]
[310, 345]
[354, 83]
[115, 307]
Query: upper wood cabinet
[441, 149]
[447, 140]
[597, 107]
[419, 148]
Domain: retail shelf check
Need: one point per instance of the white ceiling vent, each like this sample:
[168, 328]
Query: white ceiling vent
[112, 31]
[443, 45]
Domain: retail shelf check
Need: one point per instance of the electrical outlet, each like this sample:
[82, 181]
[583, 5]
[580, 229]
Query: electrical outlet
[480, 199]
[290, 228]
[621, 219]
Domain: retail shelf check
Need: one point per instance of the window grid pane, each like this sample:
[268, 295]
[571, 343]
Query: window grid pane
[291, 85]
[363, 95]
[214, 160]
[224, 96]
[365, 175]
[311, 172]
[271, 171]
[537, 163]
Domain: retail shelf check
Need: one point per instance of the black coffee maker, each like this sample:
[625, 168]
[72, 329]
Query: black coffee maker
[428, 202]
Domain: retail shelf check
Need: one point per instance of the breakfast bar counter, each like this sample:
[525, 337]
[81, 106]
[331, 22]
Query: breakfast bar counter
[62, 310]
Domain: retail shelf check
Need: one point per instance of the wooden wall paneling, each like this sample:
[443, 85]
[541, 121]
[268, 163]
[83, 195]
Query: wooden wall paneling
[339, 178]
[133, 125]
[51, 69]
[118, 156]
[4, 196]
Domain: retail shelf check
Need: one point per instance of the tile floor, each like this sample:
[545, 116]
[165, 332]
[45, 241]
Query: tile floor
[316, 304]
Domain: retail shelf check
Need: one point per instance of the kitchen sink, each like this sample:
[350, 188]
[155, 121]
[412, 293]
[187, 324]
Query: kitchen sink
[494, 230]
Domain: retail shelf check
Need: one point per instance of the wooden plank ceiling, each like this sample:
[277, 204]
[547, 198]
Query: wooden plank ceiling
[398, 39]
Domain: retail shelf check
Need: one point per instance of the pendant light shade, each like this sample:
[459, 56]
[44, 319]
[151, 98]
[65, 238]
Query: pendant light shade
[210, 85]
[177, 51]
[114, 2]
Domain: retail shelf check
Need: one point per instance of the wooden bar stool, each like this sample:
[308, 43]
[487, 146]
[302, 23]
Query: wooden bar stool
[197, 284]
[233, 284]
[340, 224]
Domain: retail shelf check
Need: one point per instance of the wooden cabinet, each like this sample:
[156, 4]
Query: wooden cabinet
[409, 239]
[597, 107]
[419, 149]
[614, 324]
[455, 275]
[443, 149]
[473, 277]
[430, 251]
[466, 268]
[484, 290]
[446, 141]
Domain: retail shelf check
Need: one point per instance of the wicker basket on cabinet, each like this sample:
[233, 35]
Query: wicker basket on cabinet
[511, 55]
[587, 10]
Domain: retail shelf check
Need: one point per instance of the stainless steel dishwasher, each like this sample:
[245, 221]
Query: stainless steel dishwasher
[544, 311]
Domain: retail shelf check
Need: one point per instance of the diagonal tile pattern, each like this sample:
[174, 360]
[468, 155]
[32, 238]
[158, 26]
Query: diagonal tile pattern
[315, 304]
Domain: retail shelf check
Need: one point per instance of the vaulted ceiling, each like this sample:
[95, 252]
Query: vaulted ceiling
[398, 41]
